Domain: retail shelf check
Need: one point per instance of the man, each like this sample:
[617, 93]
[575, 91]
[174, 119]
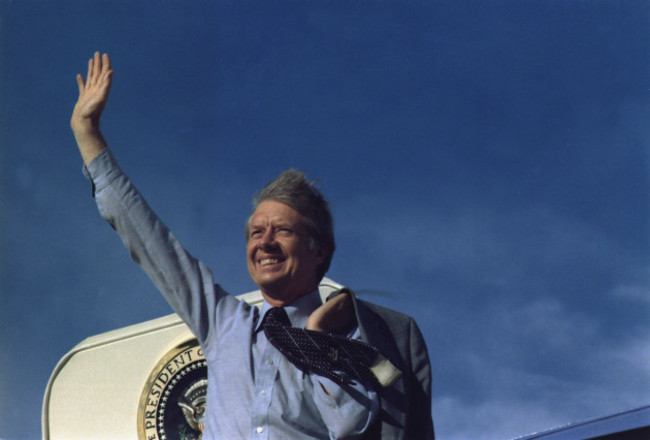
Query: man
[257, 388]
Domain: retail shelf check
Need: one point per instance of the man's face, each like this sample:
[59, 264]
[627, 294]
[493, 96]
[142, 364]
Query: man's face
[280, 260]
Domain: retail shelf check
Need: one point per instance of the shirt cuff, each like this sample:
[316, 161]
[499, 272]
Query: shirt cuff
[102, 170]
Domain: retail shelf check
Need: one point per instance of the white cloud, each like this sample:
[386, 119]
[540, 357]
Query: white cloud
[547, 321]
[489, 420]
[635, 292]
[517, 401]
[517, 344]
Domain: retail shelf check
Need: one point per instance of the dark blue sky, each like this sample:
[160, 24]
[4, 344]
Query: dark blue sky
[486, 163]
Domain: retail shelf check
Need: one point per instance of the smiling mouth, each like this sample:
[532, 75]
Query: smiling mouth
[269, 261]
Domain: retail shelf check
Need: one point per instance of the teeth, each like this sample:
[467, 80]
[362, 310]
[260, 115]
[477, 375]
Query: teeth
[268, 261]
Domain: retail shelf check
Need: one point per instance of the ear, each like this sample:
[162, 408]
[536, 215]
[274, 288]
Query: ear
[321, 254]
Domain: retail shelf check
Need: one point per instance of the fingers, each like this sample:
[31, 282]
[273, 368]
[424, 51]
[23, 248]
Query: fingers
[106, 63]
[91, 68]
[80, 83]
[107, 73]
[99, 72]
[97, 69]
[335, 316]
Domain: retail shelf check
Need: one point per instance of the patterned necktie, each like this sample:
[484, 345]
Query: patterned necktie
[335, 357]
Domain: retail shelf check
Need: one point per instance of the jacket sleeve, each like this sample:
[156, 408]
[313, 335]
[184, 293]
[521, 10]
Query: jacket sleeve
[421, 420]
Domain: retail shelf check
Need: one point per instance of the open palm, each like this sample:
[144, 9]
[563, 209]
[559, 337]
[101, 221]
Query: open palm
[93, 93]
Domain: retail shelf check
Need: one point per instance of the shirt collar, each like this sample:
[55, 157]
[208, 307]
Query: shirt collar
[298, 311]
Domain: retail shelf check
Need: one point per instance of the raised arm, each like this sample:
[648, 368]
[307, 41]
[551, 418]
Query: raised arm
[93, 95]
[185, 282]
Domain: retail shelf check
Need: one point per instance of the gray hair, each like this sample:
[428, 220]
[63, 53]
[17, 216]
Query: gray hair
[293, 189]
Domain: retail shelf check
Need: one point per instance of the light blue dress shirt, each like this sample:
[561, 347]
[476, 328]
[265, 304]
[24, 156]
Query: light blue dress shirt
[253, 391]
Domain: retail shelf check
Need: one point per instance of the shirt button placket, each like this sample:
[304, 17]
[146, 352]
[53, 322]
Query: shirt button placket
[266, 372]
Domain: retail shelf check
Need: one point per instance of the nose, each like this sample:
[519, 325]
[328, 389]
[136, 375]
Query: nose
[267, 240]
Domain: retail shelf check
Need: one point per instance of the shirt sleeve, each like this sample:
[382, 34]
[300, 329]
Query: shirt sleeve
[185, 282]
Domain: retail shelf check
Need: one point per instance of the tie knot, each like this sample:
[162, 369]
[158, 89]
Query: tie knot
[276, 316]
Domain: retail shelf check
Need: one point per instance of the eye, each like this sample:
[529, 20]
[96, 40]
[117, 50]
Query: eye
[285, 231]
[255, 233]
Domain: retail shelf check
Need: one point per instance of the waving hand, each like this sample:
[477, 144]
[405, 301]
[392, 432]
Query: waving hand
[93, 95]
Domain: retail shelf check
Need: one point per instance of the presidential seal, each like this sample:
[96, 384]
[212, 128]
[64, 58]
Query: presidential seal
[172, 404]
